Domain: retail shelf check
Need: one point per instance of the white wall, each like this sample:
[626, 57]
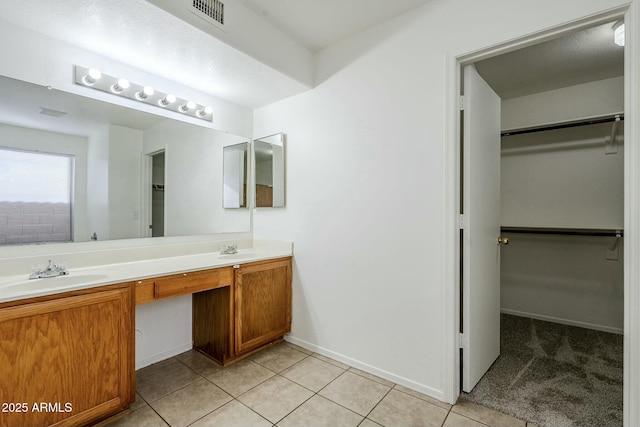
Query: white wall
[564, 178]
[163, 329]
[125, 160]
[575, 280]
[366, 185]
[98, 184]
[581, 101]
[114, 183]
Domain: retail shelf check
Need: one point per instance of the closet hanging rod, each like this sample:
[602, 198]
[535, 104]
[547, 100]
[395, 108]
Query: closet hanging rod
[564, 125]
[610, 232]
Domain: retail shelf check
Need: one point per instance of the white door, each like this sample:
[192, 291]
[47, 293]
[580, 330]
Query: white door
[481, 207]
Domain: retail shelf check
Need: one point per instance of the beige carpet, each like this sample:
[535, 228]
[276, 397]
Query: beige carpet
[554, 375]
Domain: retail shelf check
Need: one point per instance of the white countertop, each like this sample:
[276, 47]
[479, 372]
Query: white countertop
[19, 287]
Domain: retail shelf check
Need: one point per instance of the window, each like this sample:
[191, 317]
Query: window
[35, 197]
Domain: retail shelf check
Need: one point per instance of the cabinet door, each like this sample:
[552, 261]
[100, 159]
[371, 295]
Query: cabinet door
[263, 303]
[67, 361]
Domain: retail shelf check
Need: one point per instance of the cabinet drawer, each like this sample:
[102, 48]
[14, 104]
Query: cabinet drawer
[188, 283]
[144, 291]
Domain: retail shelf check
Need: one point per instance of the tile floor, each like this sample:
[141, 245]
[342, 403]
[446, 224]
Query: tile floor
[286, 385]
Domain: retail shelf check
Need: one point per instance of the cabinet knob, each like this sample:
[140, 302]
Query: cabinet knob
[184, 274]
[236, 266]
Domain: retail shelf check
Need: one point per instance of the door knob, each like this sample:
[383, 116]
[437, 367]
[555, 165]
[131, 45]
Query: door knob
[503, 240]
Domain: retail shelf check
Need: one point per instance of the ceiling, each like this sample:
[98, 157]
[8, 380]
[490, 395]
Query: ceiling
[579, 57]
[21, 104]
[140, 39]
[318, 24]
[149, 38]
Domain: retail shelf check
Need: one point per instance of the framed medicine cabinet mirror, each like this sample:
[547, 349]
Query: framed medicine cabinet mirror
[235, 171]
[268, 153]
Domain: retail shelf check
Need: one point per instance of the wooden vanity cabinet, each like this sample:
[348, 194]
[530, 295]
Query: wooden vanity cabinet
[67, 359]
[262, 303]
[212, 330]
[231, 322]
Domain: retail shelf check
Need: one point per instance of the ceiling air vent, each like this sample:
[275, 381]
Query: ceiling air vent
[210, 10]
[52, 113]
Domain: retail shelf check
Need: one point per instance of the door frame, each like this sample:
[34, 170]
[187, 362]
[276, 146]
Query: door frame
[453, 170]
[146, 192]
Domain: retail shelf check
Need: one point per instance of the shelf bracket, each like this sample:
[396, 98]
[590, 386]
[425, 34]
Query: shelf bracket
[610, 143]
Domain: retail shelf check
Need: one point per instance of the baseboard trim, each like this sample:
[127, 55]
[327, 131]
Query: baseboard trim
[563, 321]
[405, 382]
[164, 355]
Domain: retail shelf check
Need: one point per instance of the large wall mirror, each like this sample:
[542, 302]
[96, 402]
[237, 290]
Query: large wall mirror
[126, 164]
[269, 171]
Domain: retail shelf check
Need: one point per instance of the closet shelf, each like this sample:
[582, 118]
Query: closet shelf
[611, 232]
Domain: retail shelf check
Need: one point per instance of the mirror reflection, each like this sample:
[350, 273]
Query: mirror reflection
[269, 171]
[123, 160]
[235, 175]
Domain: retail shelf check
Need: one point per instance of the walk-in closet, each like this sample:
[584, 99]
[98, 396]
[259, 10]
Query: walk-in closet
[562, 211]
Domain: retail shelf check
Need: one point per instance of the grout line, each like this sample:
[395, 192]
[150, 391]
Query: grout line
[327, 384]
[376, 405]
[257, 413]
[352, 370]
[464, 416]
[294, 409]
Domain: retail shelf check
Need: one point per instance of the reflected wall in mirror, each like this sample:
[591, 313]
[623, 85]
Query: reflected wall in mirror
[112, 148]
[235, 169]
[269, 171]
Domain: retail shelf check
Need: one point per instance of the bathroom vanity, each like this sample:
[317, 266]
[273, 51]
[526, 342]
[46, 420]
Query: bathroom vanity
[67, 358]
[236, 309]
[231, 321]
[67, 345]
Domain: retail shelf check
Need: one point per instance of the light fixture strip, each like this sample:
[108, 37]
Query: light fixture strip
[106, 83]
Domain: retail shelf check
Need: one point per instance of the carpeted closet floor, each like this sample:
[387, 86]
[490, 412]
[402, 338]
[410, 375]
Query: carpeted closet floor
[554, 375]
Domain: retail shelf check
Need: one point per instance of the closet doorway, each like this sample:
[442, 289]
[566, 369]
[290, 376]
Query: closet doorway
[156, 227]
[558, 299]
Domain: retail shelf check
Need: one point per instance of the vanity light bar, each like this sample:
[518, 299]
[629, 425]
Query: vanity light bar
[94, 79]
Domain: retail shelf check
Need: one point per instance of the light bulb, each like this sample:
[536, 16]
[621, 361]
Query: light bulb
[168, 99]
[91, 77]
[120, 86]
[618, 33]
[144, 93]
[190, 105]
[204, 111]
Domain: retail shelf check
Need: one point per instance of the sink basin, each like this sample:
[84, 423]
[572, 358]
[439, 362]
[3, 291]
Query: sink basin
[54, 283]
[239, 255]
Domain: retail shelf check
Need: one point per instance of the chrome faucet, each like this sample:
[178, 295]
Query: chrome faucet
[229, 249]
[51, 270]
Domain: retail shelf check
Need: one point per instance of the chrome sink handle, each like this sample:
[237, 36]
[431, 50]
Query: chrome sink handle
[51, 270]
[229, 249]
